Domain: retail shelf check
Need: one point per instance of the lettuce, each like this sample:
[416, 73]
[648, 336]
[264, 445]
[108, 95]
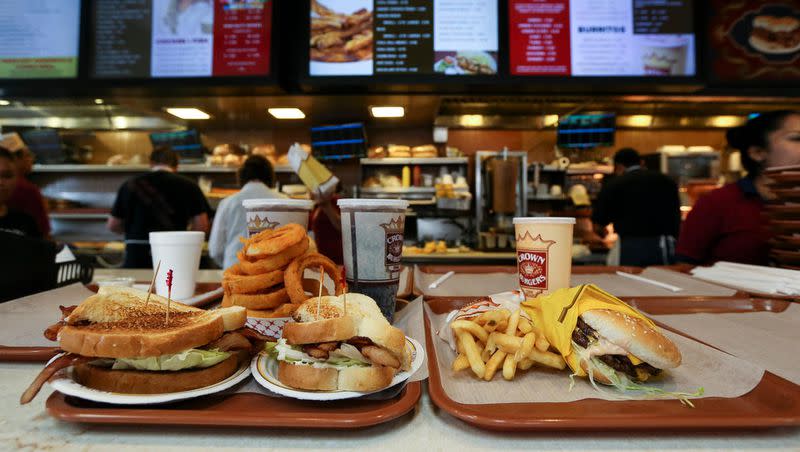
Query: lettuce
[188, 359]
[344, 356]
[624, 384]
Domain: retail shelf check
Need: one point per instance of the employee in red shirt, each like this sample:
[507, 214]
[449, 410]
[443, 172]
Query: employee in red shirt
[728, 224]
[27, 197]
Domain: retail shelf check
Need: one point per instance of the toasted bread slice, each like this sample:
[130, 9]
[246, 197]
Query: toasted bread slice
[115, 323]
[362, 379]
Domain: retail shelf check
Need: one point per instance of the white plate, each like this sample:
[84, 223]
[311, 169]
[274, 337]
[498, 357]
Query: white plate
[265, 371]
[68, 386]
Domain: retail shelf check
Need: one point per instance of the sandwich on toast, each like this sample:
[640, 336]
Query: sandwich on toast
[117, 341]
[328, 349]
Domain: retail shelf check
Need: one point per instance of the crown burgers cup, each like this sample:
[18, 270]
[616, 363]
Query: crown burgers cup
[180, 252]
[372, 245]
[544, 253]
[271, 213]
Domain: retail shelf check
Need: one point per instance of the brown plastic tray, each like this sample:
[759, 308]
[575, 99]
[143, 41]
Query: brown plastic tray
[43, 354]
[241, 410]
[775, 402]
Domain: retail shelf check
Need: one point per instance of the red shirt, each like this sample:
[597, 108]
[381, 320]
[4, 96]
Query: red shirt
[727, 224]
[28, 199]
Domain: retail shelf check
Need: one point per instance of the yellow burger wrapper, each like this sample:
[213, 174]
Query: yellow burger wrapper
[314, 175]
[557, 314]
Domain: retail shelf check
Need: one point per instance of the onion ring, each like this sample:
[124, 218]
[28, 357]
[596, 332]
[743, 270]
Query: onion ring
[312, 286]
[250, 284]
[258, 301]
[272, 263]
[293, 278]
[269, 243]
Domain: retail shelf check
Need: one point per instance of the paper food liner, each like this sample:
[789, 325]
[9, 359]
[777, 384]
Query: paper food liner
[768, 339]
[408, 319]
[720, 374]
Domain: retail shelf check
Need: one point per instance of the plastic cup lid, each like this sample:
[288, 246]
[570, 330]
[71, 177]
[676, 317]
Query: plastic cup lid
[544, 220]
[366, 202]
[278, 202]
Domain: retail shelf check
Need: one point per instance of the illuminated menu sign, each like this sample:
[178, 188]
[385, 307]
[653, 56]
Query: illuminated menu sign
[188, 38]
[607, 38]
[384, 37]
[39, 39]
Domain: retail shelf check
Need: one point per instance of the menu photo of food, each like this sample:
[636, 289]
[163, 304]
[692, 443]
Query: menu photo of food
[341, 40]
[773, 32]
[465, 63]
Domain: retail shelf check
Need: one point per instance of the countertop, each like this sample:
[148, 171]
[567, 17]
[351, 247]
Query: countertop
[427, 428]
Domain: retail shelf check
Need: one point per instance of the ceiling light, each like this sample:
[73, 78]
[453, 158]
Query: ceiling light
[188, 113]
[640, 120]
[287, 113]
[119, 122]
[550, 120]
[4, 102]
[98, 101]
[471, 120]
[387, 111]
[726, 121]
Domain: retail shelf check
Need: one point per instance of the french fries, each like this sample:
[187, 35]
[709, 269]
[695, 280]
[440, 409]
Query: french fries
[501, 340]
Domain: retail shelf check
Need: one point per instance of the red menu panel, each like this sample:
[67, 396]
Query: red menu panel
[242, 38]
[539, 37]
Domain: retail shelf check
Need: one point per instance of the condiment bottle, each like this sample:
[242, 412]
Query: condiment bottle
[417, 176]
[406, 176]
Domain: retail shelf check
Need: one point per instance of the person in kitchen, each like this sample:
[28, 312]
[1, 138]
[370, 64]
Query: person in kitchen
[27, 197]
[257, 179]
[28, 260]
[644, 208]
[727, 224]
[156, 201]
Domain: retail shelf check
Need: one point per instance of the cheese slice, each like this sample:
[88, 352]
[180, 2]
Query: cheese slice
[634, 360]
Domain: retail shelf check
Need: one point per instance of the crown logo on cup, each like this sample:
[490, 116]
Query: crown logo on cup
[395, 226]
[262, 223]
[536, 243]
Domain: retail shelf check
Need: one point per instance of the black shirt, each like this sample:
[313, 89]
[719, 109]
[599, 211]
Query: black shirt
[19, 223]
[640, 203]
[158, 201]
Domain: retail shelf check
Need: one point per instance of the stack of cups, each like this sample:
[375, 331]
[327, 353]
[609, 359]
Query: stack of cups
[544, 254]
[271, 213]
[372, 241]
[180, 252]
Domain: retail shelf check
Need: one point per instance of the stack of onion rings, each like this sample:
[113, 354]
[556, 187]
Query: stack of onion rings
[293, 277]
[256, 282]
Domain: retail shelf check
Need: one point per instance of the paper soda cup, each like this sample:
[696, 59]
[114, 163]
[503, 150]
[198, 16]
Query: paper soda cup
[544, 253]
[372, 245]
[271, 213]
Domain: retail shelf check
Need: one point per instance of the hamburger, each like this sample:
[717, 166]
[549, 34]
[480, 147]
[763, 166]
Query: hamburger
[616, 349]
[118, 341]
[775, 35]
[328, 349]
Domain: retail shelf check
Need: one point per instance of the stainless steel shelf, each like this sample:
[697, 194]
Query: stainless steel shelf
[416, 161]
[187, 168]
[399, 190]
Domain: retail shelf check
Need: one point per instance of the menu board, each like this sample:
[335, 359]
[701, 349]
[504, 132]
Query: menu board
[187, 38]
[755, 40]
[401, 37]
[601, 38]
[39, 38]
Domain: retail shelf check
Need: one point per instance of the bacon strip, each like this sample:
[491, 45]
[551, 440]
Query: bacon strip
[59, 363]
[51, 333]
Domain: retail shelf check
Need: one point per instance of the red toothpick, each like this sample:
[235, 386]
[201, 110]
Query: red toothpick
[169, 292]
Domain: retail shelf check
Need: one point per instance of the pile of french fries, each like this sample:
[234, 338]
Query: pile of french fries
[499, 337]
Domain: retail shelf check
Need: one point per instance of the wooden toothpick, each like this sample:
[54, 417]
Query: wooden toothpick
[169, 292]
[152, 284]
[319, 297]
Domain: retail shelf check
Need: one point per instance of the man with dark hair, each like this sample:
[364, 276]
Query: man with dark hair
[157, 201]
[644, 207]
[27, 197]
[256, 177]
